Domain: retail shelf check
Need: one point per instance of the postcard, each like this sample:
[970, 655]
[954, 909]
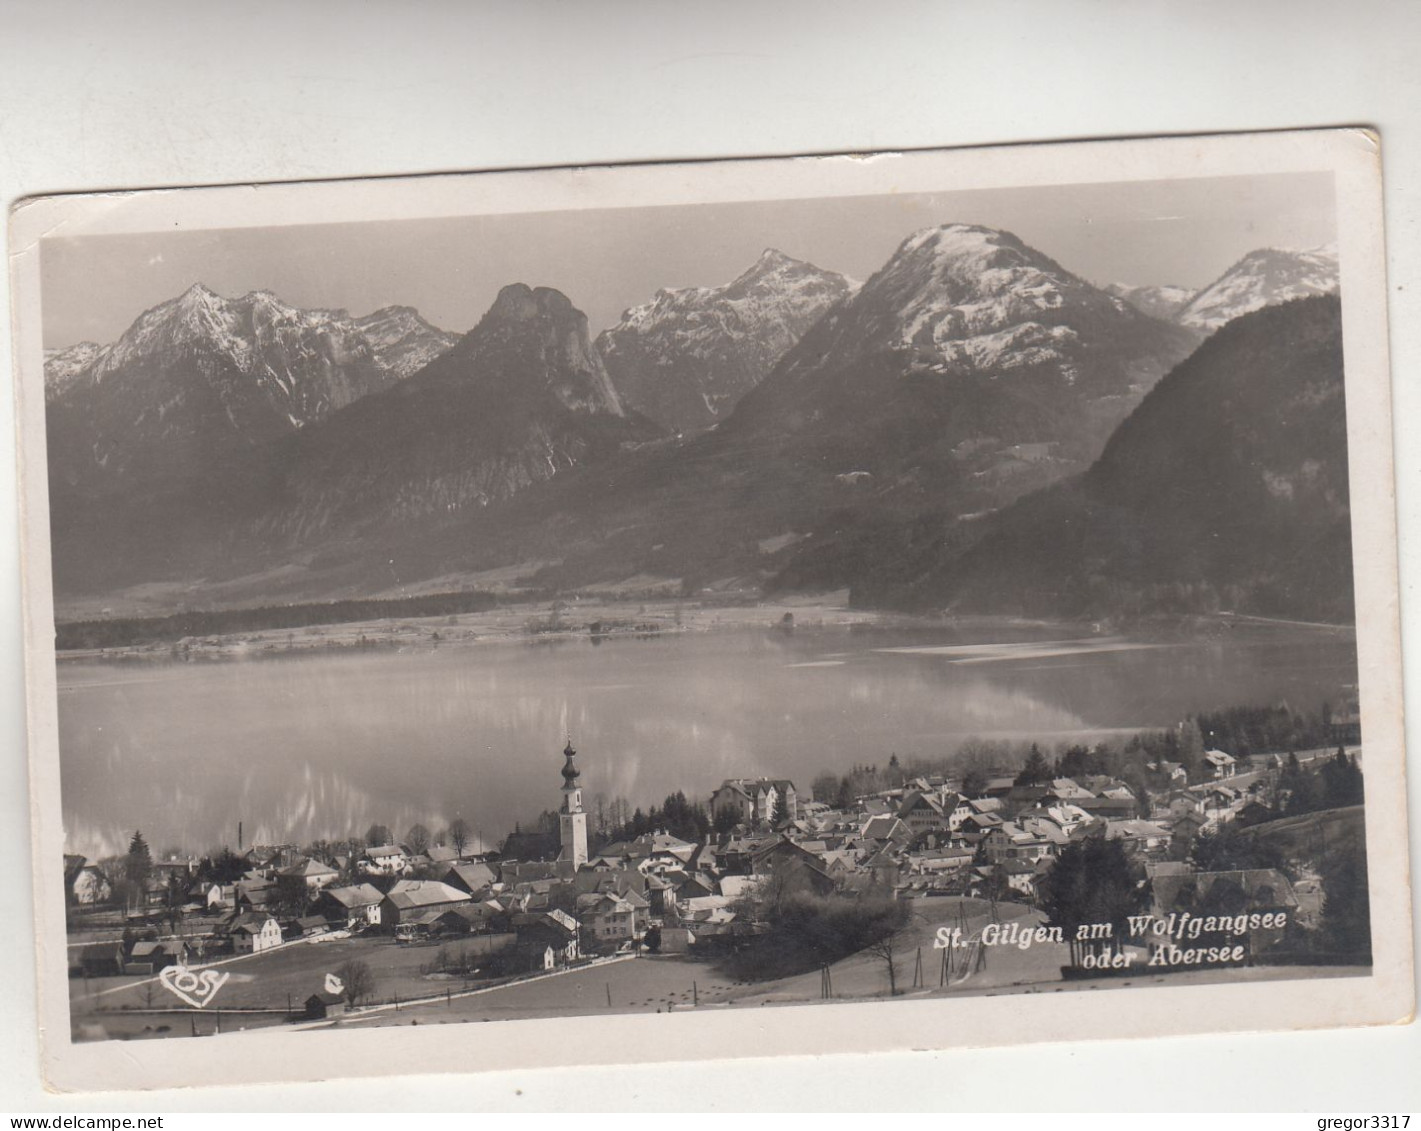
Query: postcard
[686, 611]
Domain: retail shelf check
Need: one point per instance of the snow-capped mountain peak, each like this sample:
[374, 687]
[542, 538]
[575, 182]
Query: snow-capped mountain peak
[199, 373]
[1263, 277]
[396, 339]
[963, 297]
[63, 368]
[402, 340]
[959, 329]
[689, 354]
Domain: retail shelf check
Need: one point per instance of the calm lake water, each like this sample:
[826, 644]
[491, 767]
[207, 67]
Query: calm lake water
[325, 744]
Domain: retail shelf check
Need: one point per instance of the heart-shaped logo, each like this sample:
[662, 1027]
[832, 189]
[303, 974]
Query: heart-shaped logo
[197, 988]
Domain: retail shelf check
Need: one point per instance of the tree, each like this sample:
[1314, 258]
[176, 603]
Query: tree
[825, 788]
[289, 900]
[1133, 775]
[417, 839]
[1341, 781]
[460, 834]
[1229, 849]
[1094, 882]
[886, 948]
[1076, 763]
[1346, 901]
[222, 867]
[138, 864]
[976, 761]
[357, 981]
[781, 813]
[174, 896]
[724, 820]
[1191, 748]
[352, 849]
[139, 860]
[1301, 788]
[974, 783]
[378, 835]
[1037, 770]
[777, 887]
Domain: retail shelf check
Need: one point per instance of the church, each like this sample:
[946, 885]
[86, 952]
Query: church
[568, 846]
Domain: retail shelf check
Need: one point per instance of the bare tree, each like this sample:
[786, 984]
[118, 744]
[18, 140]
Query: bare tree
[357, 981]
[459, 834]
[417, 839]
[886, 948]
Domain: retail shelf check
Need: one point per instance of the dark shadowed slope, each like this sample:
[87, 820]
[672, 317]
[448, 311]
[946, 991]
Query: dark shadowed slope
[1226, 489]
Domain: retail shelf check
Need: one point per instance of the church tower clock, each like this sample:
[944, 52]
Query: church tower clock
[572, 821]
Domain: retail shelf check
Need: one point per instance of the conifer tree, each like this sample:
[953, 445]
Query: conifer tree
[1037, 770]
[138, 865]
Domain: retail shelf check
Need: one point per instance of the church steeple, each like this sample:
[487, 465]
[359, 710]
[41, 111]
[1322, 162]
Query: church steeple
[572, 821]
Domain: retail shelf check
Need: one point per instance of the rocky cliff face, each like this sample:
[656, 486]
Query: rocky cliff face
[197, 377]
[402, 341]
[685, 358]
[520, 398]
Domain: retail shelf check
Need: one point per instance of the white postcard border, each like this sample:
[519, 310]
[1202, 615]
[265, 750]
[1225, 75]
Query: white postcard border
[270, 1056]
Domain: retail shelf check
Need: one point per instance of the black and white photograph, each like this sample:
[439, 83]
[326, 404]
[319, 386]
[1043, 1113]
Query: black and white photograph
[829, 594]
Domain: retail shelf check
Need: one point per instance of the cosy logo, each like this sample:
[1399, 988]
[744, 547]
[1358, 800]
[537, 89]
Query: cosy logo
[195, 988]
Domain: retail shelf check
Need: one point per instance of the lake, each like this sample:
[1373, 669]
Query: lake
[324, 744]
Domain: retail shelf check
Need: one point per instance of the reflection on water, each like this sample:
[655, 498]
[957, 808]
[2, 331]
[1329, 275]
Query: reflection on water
[326, 745]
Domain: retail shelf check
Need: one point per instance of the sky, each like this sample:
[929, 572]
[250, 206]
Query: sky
[1184, 232]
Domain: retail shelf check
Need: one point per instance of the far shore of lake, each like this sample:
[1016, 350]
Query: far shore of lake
[602, 617]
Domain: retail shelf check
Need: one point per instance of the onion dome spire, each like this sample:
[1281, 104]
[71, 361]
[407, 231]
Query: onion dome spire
[570, 772]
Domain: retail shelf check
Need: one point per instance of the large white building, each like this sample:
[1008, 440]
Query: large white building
[755, 799]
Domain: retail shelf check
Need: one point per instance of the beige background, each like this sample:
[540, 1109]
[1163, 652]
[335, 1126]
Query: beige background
[156, 95]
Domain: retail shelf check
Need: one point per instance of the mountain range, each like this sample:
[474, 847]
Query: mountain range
[201, 375]
[790, 428]
[1264, 277]
[686, 357]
